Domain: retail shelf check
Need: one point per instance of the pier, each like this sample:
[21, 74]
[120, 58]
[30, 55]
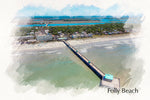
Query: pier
[106, 81]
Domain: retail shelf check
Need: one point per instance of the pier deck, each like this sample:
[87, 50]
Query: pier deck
[115, 83]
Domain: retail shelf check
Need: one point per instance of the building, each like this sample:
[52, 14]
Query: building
[32, 41]
[108, 77]
[64, 38]
[83, 34]
[90, 35]
[46, 31]
[73, 36]
[31, 33]
[44, 38]
[55, 37]
[41, 36]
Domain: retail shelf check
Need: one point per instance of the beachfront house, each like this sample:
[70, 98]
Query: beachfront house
[44, 37]
[83, 34]
[97, 33]
[105, 32]
[55, 37]
[31, 33]
[116, 32]
[109, 33]
[76, 33]
[90, 35]
[73, 36]
[32, 41]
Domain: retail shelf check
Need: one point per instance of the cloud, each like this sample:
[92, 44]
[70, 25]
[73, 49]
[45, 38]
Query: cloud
[77, 7]
[75, 10]
[128, 5]
[60, 4]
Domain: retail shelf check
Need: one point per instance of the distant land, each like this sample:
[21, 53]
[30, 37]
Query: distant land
[72, 20]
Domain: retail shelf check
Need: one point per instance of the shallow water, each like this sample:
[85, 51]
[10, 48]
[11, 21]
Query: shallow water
[62, 69]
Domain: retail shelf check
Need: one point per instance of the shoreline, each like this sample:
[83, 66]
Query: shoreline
[59, 44]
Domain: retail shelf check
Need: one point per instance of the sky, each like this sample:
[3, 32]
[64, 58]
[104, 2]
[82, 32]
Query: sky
[74, 10]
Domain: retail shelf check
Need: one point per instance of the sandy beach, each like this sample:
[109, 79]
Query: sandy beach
[59, 44]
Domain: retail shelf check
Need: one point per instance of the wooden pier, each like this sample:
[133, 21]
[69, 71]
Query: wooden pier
[115, 83]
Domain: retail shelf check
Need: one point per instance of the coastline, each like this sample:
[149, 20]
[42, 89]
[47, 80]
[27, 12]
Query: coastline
[59, 44]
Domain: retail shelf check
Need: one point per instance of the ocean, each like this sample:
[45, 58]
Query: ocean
[60, 68]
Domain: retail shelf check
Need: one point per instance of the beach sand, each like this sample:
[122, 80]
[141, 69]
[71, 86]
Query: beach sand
[59, 44]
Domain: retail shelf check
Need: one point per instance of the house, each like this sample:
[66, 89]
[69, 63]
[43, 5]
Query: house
[90, 35]
[36, 28]
[60, 34]
[28, 33]
[116, 32]
[76, 33]
[31, 33]
[109, 33]
[55, 37]
[73, 36]
[83, 34]
[97, 33]
[32, 41]
[44, 37]
[105, 32]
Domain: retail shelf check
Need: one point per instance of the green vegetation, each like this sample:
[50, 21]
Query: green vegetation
[95, 29]
[89, 29]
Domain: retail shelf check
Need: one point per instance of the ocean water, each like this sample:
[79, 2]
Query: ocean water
[62, 69]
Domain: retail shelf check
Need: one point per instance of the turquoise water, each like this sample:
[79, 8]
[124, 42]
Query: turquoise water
[62, 69]
[103, 21]
[64, 24]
